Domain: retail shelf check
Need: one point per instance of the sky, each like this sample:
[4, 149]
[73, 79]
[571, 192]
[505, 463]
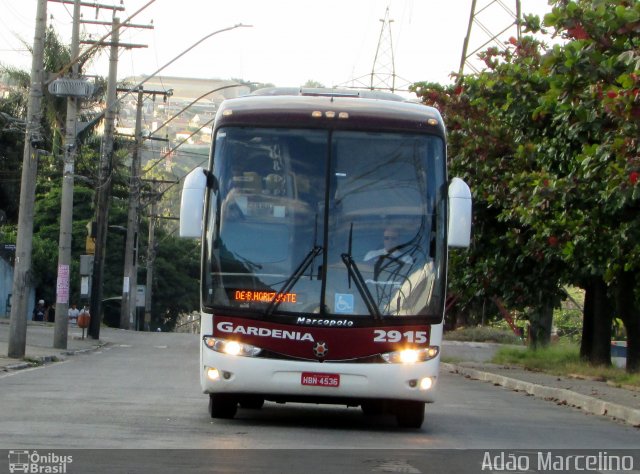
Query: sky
[333, 42]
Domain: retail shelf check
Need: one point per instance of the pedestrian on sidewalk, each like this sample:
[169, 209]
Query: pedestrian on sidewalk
[73, 314]
[50, 314]
[39, 312]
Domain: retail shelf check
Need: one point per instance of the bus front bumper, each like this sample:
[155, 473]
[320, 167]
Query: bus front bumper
[292, 380]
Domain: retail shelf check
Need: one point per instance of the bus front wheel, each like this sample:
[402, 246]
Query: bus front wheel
[409, 414]
[222, 405]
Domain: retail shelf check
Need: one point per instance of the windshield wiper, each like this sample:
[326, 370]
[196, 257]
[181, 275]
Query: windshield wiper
[293, 279]
[354, 273]
[361, 285]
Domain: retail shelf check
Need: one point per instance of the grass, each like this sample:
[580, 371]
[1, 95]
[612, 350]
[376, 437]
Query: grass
[564, 359]
[483, 334]
[32, 361]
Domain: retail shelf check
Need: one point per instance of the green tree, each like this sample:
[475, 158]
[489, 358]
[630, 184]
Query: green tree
[176, 279]
[178, 264]
[595, 104]
[549, 142]
[489, 118]
[46, 226]
[313, 84]
[13, 111]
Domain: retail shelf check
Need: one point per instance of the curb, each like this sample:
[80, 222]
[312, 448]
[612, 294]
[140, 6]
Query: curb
[43, 360]
[31, 362]
[557, 395]
[16, 366]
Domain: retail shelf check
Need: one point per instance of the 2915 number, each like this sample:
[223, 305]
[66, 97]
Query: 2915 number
[419, 337]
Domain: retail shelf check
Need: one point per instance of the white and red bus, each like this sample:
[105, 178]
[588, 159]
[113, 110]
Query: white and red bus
[325, 218]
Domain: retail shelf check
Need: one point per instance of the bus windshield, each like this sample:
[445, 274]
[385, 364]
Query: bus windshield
[337, 224]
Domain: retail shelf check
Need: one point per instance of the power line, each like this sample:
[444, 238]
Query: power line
[182, 142]
[96, 44]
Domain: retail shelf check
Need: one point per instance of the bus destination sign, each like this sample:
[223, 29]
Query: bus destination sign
[264, 296]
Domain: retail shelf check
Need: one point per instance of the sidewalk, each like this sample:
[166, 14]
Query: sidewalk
[591, 396]
[39, 345]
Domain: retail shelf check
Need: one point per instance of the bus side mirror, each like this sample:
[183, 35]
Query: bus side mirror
[459, 226]
[192, 203]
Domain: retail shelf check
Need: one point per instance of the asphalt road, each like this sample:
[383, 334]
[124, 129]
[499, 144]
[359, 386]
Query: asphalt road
[142, 392]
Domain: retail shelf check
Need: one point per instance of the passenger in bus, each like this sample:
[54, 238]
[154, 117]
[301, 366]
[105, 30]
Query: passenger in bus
[240, 184]
[275, 185]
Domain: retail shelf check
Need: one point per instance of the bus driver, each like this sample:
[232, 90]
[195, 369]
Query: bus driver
[391, 248]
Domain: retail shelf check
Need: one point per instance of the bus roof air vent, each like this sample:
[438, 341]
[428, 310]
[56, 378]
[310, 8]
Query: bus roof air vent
[329, 92]
[321, 92]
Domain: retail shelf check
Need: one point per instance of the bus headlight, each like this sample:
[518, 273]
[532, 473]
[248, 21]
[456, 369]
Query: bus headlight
[233, 348]
[411, 356]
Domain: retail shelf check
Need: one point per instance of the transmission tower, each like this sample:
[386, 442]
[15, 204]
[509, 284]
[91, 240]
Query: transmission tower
[383, 72]
[504, 22]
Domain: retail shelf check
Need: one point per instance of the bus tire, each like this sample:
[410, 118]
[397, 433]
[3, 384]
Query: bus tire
[251, 402]
[222, 405]
[409, 414]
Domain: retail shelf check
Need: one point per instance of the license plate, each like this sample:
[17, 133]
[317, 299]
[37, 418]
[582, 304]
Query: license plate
[320, 380]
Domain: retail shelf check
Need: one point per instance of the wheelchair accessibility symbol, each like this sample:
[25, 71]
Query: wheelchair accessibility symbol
[344, 303]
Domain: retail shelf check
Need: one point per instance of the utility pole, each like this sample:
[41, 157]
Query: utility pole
[104, 181]
[130, 280]
[66, 206]
[103, 193]
[22, 270]
[151, 245]
[151, 256]
[24, 243]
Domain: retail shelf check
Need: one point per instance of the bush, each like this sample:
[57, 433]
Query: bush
[568, 323]
[483, 334]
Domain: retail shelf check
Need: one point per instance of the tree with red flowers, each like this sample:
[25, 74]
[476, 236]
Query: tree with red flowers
[548, 140]
[595, 105]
